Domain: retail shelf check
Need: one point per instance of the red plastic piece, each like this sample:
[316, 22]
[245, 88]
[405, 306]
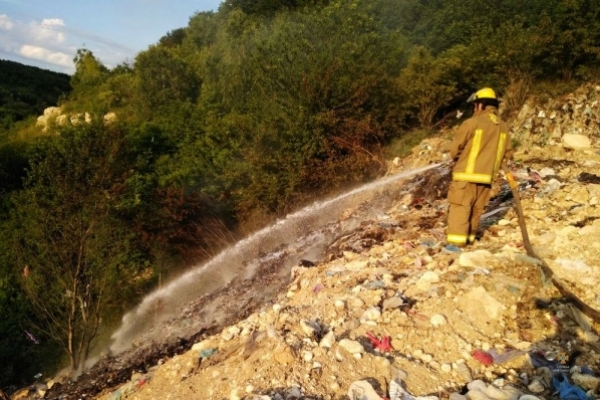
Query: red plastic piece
[483, 357]
[382, 344]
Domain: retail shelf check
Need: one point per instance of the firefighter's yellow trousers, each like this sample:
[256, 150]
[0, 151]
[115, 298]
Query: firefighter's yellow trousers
[467, 203]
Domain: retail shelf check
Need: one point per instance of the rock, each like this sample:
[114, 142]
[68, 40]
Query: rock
[511, 393]
[307, 356]
[229, 333]
[464, 371]
[371, 314]
[355, 302]
[477, 258]
[477, 395]
[295, 392]
[310, 328]
[587, 382]
[477, 385]
[481, 309]
[425, 281]
[328, 340]
[438, 320]
[392, 302]
[536, 387]
[576, 142]
[447, 368]
[544, 172]
[494, 393]
[351, 346]
[457, 396]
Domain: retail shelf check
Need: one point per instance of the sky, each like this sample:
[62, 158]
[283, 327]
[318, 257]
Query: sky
[47, 33]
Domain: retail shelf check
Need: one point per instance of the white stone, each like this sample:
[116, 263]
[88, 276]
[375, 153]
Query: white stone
[308, 356]
[477, 385]
[328, 340]
[447, 368]
[351, 346]
[477, 258]
[438, 320]
[425, 281]
[576, 142]
[544, 172]
[371, 314]
[310, 328]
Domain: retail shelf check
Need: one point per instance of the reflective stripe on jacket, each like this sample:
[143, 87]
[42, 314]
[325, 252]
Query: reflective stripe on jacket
[479, 147]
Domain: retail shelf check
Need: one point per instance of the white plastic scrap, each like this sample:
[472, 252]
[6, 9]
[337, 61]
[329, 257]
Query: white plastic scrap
[397, 392]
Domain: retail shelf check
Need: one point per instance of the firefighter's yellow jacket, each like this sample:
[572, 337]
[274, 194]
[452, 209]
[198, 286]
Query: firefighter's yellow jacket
[480, 145]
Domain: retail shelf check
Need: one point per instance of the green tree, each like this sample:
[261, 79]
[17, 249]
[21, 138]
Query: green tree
[77, 253]
[89, 76]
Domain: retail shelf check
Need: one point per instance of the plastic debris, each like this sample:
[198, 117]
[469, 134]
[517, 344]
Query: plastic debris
[116, 395]
[508, 355]
[382, 344]
[375, 285]
[397, 392]
[207, 353]
[362, 390]
[318, 287]
[567, 391]
[452, 249]
[483, 357]
[32, 338]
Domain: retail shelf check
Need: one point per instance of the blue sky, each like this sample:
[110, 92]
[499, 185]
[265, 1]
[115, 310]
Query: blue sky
[47, 33]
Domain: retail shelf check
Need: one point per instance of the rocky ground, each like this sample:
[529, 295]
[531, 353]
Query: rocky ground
[391, 312]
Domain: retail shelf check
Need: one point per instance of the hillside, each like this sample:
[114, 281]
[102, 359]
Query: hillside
[479, 323]
[26, 91]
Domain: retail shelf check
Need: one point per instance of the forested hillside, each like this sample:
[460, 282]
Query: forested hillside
[26, 91]
[241, 116]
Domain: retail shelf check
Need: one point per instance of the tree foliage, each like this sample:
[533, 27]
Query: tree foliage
[27, 91]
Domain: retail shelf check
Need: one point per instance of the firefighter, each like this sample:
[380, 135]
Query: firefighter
[479, 148]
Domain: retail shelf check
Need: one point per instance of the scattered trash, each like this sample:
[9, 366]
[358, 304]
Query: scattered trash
[207, 353]
[32, 338]
[318, 287]
[362, 390]
[452, 249]
[588, 178]
[382, 344]
[566, 390]
[483, 357]
[116, 395]
[375, 285]
[38, 376]
[397, 392]
[306, 263]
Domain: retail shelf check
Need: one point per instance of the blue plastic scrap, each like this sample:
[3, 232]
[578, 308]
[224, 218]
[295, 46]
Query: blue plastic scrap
[452, 249]
[567, 391]
[206, 353]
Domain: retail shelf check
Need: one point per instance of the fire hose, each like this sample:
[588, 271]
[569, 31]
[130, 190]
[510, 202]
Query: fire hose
[546, 270]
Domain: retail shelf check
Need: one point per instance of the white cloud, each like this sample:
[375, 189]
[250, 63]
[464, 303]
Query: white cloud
[49, 31]
[42, 54]
[52, 42]
[5, 22]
